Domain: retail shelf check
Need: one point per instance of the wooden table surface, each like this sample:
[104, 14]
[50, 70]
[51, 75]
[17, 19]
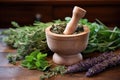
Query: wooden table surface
[17, 72]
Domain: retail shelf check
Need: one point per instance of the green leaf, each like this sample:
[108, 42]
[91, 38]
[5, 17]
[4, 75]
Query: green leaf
[34, 53]
[29, 58]
[15, 24]
[41, 56]
[37, 64]
[113, 34]
[67, 19]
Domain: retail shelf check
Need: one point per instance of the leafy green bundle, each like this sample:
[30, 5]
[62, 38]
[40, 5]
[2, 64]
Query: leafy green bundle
[101, 37]
[26, 39]
[30, 38]
[36, 60]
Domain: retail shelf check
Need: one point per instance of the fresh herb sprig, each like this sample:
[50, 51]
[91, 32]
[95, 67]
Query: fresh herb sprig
[102, 38]
[29, 38]
[36, 60]
[26, 39]
[53, 72]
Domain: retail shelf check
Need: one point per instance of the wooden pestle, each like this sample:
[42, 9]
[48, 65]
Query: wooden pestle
[72, 25]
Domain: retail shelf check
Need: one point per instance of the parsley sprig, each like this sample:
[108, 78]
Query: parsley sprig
[36, 60]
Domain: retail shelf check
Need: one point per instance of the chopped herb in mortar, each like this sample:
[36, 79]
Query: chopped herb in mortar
[59, 28]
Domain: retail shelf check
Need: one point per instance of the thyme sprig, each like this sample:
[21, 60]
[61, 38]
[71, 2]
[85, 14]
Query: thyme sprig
[53, 72]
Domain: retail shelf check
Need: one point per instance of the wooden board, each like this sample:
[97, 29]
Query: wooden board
[17, 72]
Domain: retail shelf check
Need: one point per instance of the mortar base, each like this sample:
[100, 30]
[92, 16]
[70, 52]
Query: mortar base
[67, 59]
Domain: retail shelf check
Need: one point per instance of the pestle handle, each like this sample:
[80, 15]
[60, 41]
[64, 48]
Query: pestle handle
[76, 15]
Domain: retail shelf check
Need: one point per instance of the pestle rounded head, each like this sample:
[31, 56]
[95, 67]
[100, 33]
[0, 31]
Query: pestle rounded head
[72, 25]
[79, 12]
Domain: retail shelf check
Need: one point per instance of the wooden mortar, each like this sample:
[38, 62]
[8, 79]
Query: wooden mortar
[66, 47]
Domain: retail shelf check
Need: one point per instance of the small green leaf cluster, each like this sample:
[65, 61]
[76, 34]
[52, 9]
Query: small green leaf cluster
[53, 72]
[36, 60]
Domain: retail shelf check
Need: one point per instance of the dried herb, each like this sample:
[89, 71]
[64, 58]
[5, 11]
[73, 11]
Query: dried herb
[13, 58]
[103, 65]
[88, 63]
[96, 65]
[59, 28]
[53, 72]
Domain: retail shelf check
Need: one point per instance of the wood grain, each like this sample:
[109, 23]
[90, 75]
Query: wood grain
[17, 72]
